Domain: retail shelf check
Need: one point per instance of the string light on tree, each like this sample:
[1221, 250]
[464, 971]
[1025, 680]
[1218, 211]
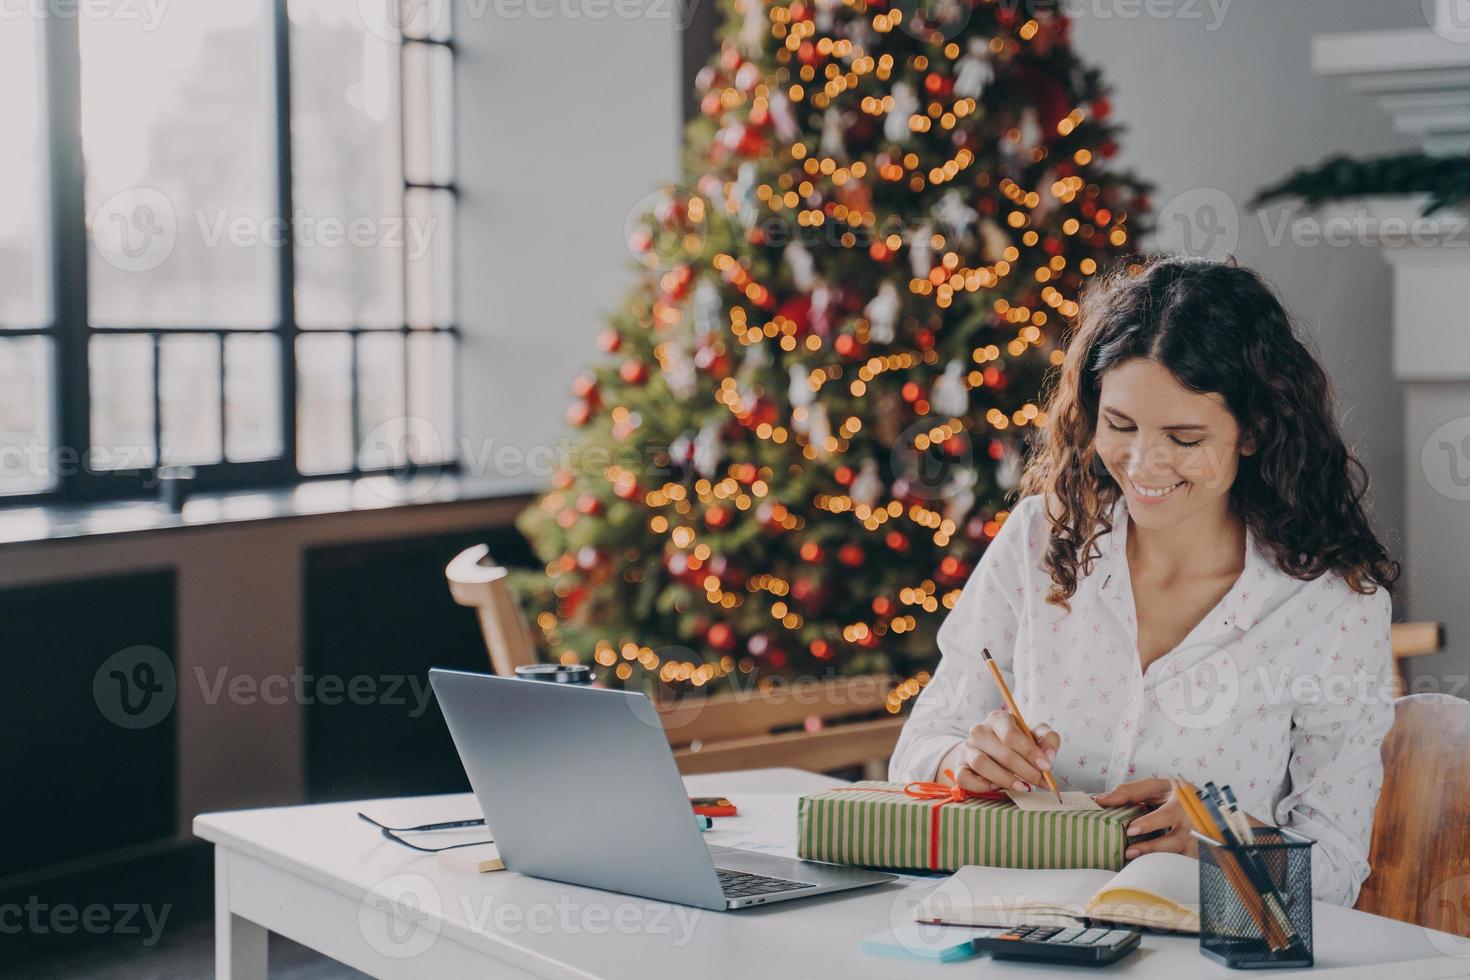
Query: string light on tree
[818, 389]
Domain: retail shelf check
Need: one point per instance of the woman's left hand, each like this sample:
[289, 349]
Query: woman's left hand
[1168, 816]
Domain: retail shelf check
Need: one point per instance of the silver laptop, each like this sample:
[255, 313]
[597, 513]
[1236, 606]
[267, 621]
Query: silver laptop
[578, 784]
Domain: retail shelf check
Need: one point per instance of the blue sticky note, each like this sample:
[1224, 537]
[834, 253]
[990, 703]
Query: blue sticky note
[918, 940]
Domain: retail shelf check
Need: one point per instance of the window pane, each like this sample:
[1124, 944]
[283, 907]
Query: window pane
[430, 240]
[428, 92]
[24, 298]
[252, 397]
[178, 130]
[380, 400]
[431, 397]
[188, 394]
[27, 454]
[345, 156]
[122, 402]
[324, 403]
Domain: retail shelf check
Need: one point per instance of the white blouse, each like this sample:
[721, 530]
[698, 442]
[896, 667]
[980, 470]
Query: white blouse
[1283, 691]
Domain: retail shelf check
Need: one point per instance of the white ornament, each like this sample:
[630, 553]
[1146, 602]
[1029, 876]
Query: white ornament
[975, 70]
[824, 19]
[783, 117]
[819, 315]
[707, 450]
[948, 11]
[832, 144]
[748, 76]
[882, 313]
[868, 486]
[757, 359]
[905, 104]
[921, 250]
[799, 392]
[959, 494]
[707, 308]
[744, 190]
[753, 29]
[1030, 127]
[1048, 203]
[818, 429]
[1008, 471]
[994, 241]
[954, 215]
[678, 369]
[803, 267]
[950, 396]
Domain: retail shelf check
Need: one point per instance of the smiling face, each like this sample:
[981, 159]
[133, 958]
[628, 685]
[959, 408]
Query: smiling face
[1174, 452]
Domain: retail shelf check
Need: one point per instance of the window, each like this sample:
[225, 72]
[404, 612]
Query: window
[175, 291]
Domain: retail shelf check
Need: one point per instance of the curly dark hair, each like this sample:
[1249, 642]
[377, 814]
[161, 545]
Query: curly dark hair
[1218, 328]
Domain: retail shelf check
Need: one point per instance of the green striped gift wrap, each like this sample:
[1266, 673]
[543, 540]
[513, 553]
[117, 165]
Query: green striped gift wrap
[877, 824]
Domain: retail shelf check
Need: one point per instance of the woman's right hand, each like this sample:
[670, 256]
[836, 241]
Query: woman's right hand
[998, 755]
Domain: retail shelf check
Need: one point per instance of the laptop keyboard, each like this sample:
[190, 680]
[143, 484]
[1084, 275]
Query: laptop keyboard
[741, 884]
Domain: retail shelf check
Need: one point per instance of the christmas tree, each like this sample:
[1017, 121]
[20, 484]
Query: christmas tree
[819, 390]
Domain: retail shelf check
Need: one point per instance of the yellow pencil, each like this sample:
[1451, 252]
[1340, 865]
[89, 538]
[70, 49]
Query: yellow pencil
[1015, 711]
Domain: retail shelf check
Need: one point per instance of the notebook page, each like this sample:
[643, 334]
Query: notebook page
[1159, 889]
[976, 895]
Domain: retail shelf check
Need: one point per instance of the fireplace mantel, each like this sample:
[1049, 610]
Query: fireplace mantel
[1421, 78]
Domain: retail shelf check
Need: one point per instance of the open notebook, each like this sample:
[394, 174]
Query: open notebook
[1159, 891]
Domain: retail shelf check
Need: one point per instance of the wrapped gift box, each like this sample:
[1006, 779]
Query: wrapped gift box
[880, 824]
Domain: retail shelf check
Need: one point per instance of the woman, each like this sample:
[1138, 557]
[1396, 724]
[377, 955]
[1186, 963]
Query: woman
[1201, 596]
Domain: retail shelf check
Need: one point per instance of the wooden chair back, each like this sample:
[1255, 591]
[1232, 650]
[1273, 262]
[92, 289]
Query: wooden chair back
[1420, 855]
[1413, 640]
[477, 582]
[819, 726]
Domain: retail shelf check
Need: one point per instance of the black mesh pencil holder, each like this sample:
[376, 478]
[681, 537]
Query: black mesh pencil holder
[1256, 901]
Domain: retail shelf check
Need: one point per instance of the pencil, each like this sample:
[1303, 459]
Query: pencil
[1015, 711]
[1262, 903]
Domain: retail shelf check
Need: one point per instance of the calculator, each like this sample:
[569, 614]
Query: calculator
[1077, 945]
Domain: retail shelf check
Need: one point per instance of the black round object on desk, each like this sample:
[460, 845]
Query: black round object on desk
[556, 673]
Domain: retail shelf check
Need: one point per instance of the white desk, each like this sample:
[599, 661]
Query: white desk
[325, 879]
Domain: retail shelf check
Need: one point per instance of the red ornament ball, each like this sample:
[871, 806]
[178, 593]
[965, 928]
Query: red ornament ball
[585, 386]
[851, 555]
[633, 371]
[721, 637]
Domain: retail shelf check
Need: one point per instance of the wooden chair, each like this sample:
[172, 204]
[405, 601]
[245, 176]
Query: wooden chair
[820, 726]
[1413, 640]
[1420, 853]
[475, 581]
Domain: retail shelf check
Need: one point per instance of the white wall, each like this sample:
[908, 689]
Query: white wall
[1229, 103]
[565, 124]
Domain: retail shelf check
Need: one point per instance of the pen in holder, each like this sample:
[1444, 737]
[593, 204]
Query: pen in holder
[1256, 900]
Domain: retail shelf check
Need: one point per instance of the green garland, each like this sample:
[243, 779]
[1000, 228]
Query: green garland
[1445, 179]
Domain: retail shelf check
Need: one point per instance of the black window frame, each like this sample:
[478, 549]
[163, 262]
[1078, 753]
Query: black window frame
[71, 331]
